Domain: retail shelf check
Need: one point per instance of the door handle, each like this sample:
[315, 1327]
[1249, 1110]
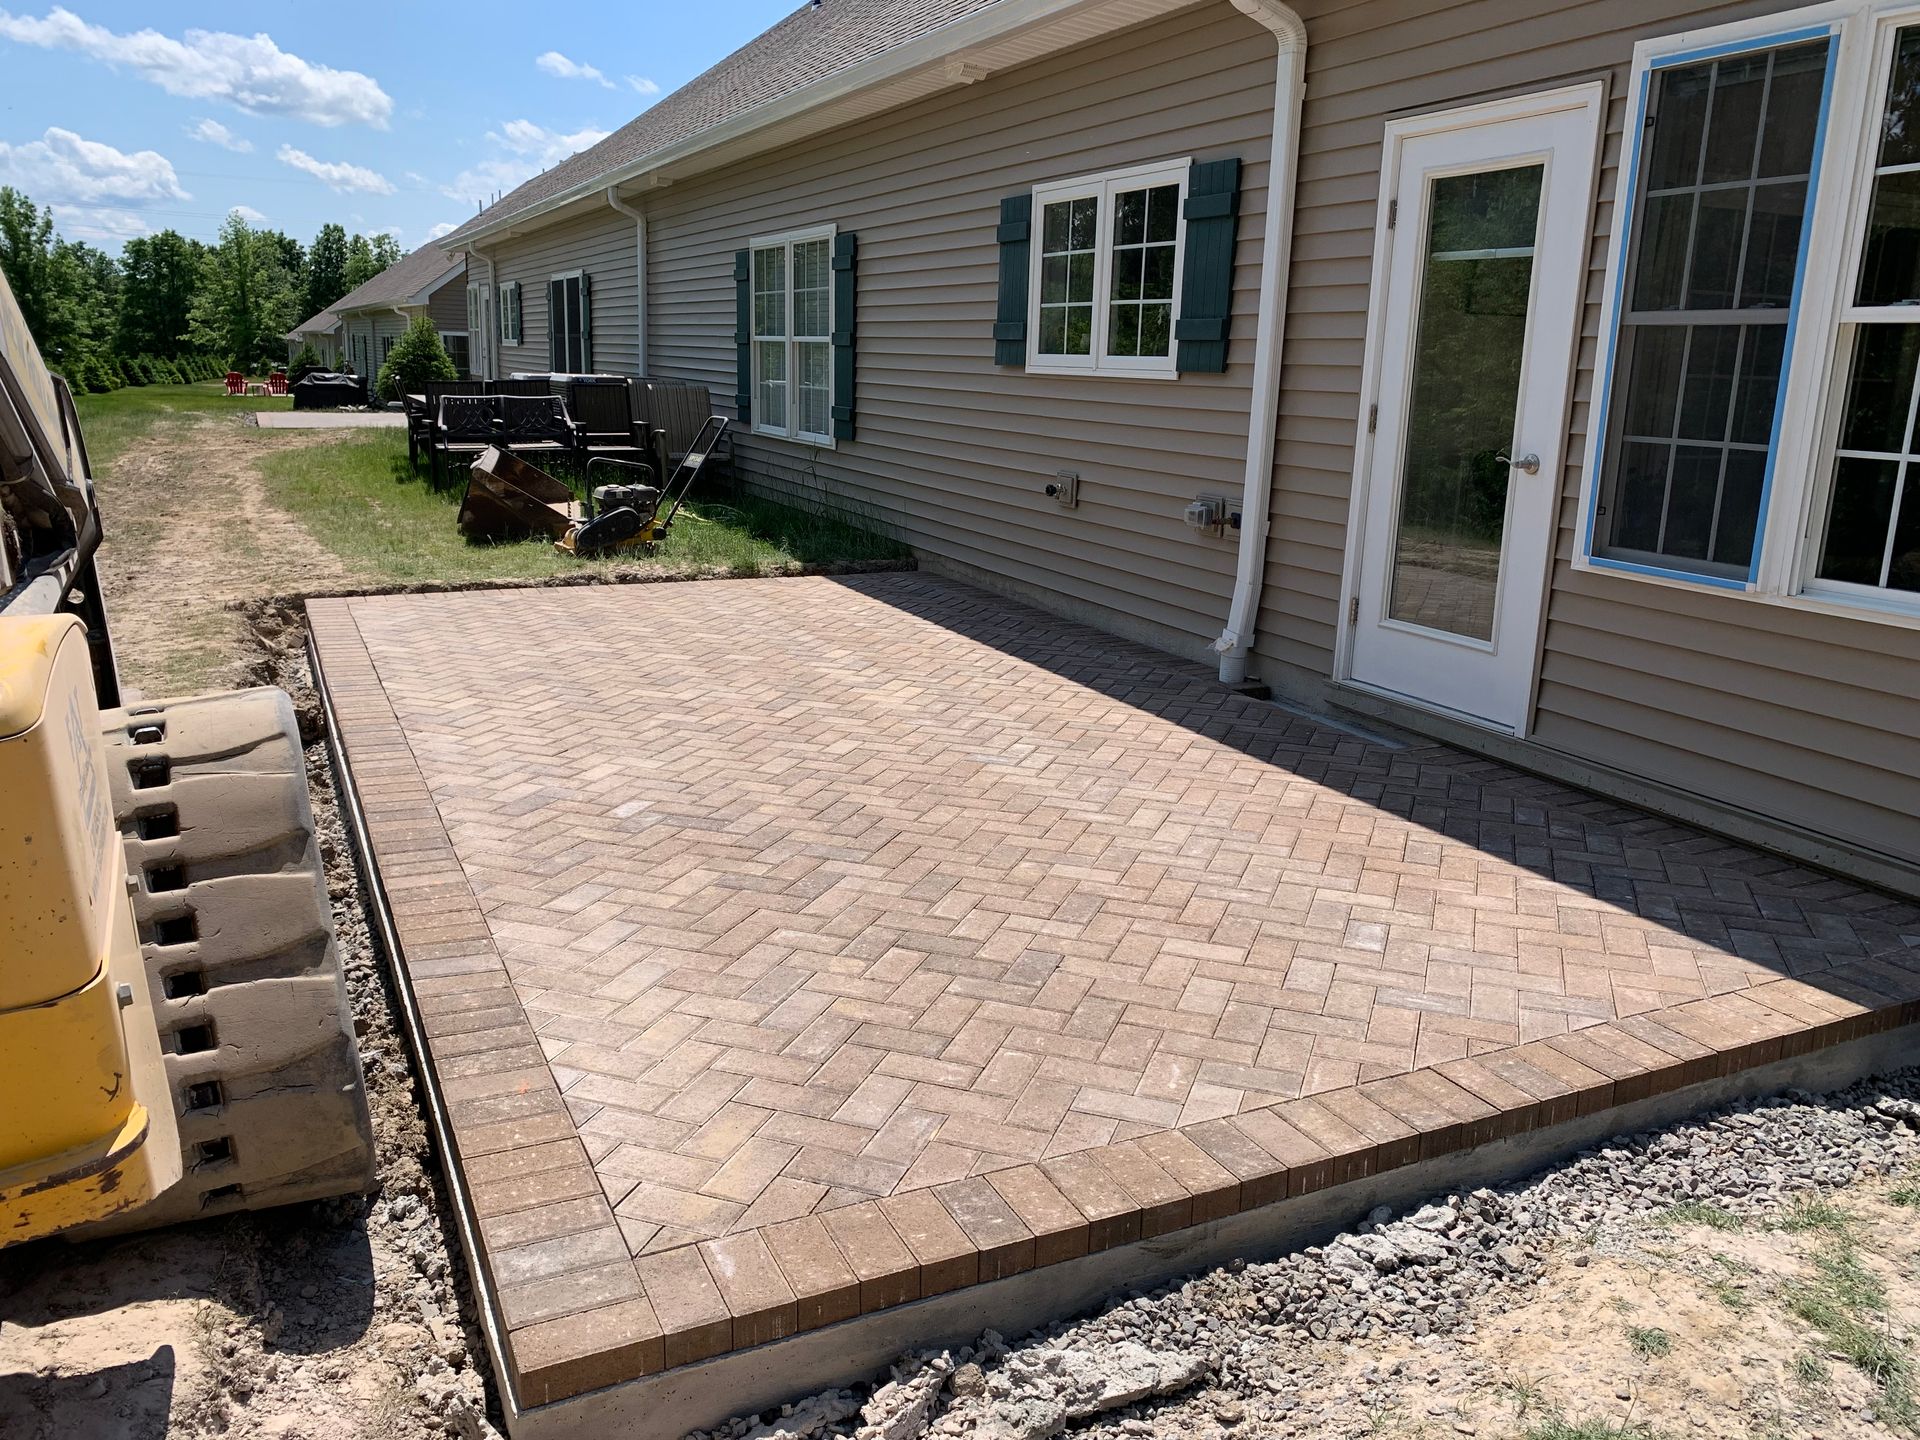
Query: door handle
[1529, 462]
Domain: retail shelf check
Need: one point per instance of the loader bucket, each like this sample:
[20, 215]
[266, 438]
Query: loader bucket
[508, 499]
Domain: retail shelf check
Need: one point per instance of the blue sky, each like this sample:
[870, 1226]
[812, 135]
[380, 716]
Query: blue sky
[129, 118]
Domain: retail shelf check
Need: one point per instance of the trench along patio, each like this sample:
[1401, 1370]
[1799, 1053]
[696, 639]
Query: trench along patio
[788, 950]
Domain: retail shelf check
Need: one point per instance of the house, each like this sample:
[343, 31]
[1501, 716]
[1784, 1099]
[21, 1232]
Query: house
[1537, 376]
[322, 332]
[359, 328]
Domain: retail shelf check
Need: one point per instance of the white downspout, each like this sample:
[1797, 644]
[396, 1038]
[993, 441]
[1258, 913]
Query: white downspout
[1276, 257]
[639, 219]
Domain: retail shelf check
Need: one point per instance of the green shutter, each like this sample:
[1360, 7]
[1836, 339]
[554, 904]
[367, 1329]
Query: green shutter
[586, 324]
[743, 336]
[556, 321]
[845, 247]
[1206, 292]
[1010, 322]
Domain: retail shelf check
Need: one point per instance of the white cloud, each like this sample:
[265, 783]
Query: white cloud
[249, 214]
[212, 132]
[250, 72]
[643, 85]
[530, 149]
[556, 64]
[336, 174]
[62, 166]
[99, 223]
[445, 227]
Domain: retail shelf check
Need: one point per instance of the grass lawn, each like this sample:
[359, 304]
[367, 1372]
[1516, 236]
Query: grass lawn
[114, 421]
[361, 499]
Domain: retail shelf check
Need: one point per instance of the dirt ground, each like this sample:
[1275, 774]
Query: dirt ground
[351, 1319]
[190, 532]
[1683, 1330]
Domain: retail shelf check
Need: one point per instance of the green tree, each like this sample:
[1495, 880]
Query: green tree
[417, 357]
[246, 299]
[367, 257]
[159, 275]
[326, 268]
[28, 256]
[360, 266]
[386, 251]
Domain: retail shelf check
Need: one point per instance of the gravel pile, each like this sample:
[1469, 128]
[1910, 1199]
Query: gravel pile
[1431, 1272]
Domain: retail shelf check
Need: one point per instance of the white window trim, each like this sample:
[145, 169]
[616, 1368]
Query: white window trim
[787, 239]
[1102, 185]
[1809, 418]
[513, 336]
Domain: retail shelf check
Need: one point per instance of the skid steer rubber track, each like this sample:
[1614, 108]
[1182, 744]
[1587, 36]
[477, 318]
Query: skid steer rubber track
[230, 897]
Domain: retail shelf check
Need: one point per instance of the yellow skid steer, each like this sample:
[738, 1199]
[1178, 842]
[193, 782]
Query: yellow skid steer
[175, 1037]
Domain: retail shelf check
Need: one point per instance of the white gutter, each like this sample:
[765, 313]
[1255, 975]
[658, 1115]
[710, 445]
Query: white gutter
[984, 26]
[639, 219]
[1276, 259]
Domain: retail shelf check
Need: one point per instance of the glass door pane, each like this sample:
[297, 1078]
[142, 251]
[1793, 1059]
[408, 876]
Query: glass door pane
[1470, 338]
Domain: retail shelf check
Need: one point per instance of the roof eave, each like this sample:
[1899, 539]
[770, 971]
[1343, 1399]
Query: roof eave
[980, 28]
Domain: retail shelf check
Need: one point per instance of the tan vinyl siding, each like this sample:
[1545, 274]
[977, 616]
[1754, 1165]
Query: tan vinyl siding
[448, 305]
[952, 451]
[599, 243]
[1808, 718]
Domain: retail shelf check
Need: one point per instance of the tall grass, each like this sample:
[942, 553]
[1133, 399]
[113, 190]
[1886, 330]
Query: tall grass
[363, 501]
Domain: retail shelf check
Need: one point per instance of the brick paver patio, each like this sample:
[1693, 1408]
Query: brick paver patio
[794, 948]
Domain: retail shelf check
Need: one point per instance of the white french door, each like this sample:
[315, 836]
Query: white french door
[1478, 284]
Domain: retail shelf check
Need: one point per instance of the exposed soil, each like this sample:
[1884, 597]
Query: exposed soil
[189, 532]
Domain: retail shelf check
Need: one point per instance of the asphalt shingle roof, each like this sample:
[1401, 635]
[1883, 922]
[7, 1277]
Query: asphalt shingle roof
[407, 276]
[809, 45]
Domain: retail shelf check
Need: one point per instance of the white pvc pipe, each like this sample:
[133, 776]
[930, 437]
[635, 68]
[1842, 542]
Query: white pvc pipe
[1276, 256]
[639, 219]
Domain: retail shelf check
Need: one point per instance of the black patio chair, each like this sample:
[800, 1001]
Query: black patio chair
[675, 412]
[425, 412]
[463, 425]
[604, 411]
[519, 387]
[536, 422]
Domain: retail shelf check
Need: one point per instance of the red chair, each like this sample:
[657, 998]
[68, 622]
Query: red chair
[236, 383]
[277, 383]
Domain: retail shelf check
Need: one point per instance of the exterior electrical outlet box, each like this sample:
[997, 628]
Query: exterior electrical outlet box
[1208, 514]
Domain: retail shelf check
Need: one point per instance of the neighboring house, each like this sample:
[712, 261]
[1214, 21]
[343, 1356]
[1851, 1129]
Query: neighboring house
[1557, 360]
[367, 321]
[321, 331]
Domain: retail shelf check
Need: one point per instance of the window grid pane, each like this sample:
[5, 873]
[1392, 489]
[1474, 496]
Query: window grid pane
[1871, 534]
[1711, 279]
[814, 397]
[1140, 288]
[1069, 232]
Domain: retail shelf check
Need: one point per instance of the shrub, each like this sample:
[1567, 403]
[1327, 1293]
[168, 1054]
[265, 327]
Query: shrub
[304, 364]
[416, 357]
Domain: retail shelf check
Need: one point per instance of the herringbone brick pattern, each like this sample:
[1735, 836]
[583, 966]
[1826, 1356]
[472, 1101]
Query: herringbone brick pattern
[818, 891]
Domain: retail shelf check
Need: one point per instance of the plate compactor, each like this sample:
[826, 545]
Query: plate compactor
[509, 499]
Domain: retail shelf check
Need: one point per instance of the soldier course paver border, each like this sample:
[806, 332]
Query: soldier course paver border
[582, 1308]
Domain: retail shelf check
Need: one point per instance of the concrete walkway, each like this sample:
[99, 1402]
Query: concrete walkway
[793, 949]
[331, 419]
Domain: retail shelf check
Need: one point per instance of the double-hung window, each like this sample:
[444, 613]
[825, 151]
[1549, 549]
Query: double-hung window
[792, 342]
[454, 342]
[1758, 412]
[1106, 257]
